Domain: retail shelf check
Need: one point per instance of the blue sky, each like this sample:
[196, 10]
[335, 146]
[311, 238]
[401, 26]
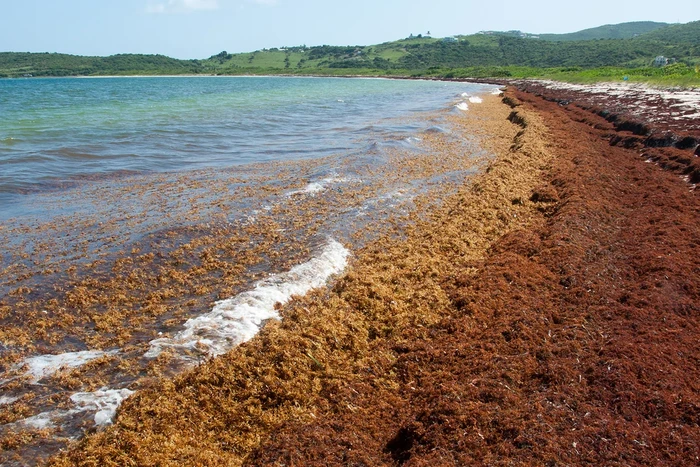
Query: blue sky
[200, 28]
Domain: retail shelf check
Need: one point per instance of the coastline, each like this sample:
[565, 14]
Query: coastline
[545, 313]
[521, 322]
[517, 82]
[80, 322]
[327, 342]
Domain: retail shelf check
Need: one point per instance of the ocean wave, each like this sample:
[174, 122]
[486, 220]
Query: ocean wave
[104, 403]
[236, 320]
[318, 186]
[42, 366]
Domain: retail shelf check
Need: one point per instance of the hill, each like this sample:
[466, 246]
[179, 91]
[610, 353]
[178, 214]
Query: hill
[479, 50]
[688, 33]
[484, 54]
[608, 31]
[13, 64]
[621, 45]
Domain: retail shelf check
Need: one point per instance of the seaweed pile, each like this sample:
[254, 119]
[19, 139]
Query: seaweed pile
[545, 314]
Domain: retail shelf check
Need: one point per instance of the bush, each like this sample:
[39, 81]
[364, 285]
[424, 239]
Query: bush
[676, 69]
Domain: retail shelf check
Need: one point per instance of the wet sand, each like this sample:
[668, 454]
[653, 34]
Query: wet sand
[546, 313]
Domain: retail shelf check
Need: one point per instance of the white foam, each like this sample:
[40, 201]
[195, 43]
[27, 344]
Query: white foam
[315, 187]
[465, 94]
[496, 92]
[320, 185]
[238, 319]
[6, 400]
[476, 100]
[104, 402]
[462, 106]
[40, 422]
[41, 366]
[688, 116]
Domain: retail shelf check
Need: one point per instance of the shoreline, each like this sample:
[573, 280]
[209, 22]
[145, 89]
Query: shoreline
[517, 82]
[95, 308]
[520, 323]
[362, 310]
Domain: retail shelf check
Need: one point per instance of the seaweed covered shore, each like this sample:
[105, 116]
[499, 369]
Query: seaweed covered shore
[546, 314]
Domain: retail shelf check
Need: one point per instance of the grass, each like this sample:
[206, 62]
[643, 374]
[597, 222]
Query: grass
[676, 75]
[655, 77]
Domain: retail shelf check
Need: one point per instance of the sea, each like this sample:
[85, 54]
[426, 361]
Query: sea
[149, 223]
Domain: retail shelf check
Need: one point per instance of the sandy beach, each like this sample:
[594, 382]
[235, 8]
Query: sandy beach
[544, 313]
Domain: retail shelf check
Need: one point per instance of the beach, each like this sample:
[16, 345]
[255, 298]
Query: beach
[116, 281]
[543, 312]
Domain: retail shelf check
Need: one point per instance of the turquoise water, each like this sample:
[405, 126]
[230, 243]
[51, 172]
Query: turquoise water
[54, 131]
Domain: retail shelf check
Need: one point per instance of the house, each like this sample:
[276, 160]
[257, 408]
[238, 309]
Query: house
[660, 61]
[449, 39]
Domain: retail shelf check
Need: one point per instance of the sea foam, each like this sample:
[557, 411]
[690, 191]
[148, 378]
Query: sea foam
[320, 185]
[7, 400]
[42, 366]
[41, 421]
[104, 402]
[238, 319]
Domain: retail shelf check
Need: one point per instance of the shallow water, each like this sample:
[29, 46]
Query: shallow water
[55, 132]
[182, 210]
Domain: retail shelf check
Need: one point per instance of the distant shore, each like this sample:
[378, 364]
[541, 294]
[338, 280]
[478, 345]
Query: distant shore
[494, 80]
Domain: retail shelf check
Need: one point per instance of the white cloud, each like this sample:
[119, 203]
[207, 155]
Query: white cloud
[182, 6]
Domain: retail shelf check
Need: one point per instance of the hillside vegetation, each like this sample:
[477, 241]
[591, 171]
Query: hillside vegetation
[677, 34]
[608, 31]
[623, 49]
[54, 64]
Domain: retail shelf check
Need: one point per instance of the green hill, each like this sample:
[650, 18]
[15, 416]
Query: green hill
[608, 31]
[688, 33]
[492, 53]
[479, 50]
[14, 64]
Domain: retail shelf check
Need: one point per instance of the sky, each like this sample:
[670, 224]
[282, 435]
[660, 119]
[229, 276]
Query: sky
[200, 28]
